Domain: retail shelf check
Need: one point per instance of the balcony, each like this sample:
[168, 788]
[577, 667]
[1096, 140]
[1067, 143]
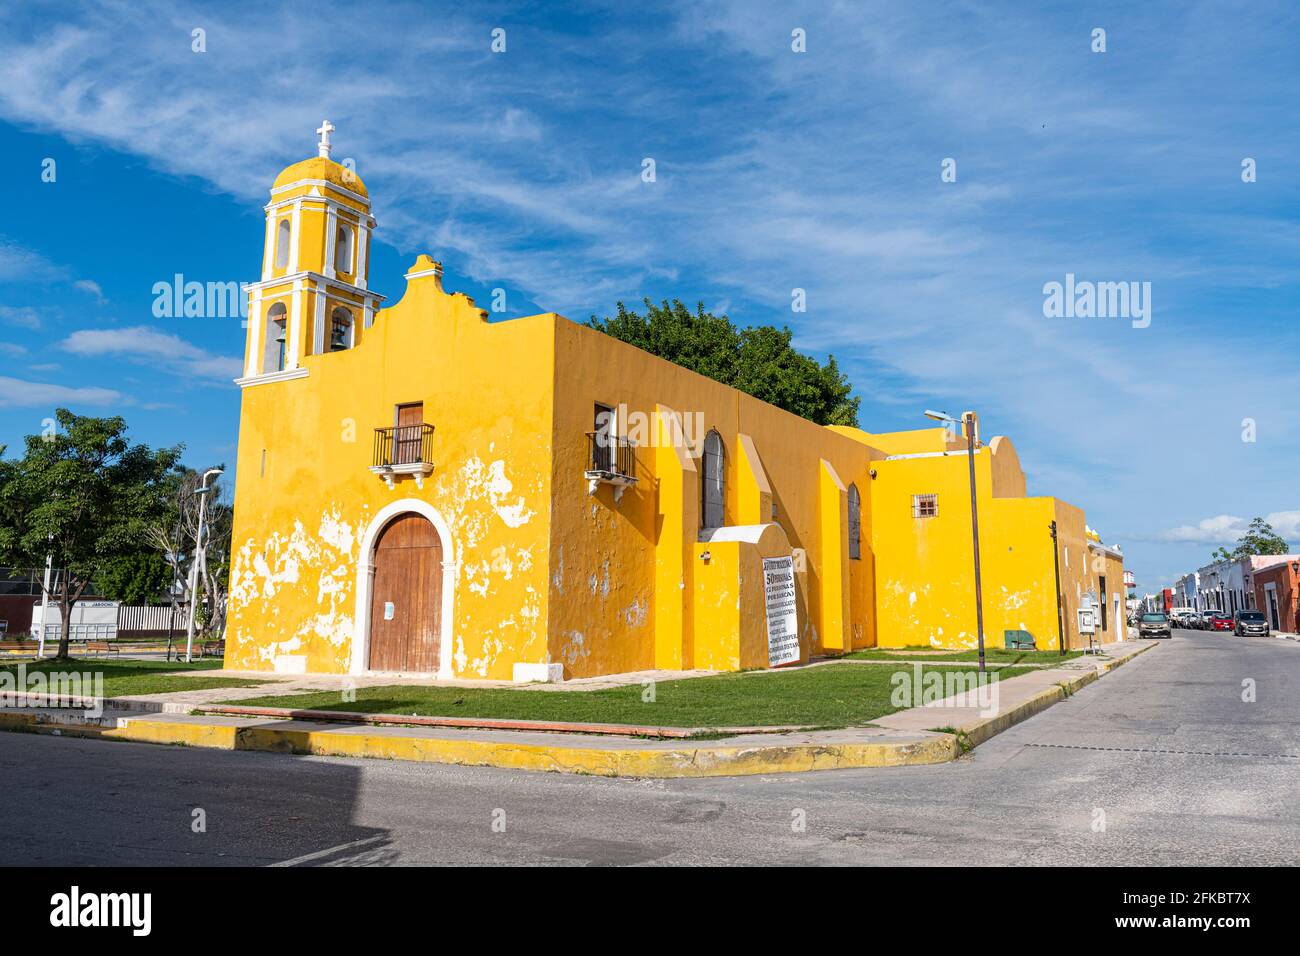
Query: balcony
[403, 450]
[611, 460]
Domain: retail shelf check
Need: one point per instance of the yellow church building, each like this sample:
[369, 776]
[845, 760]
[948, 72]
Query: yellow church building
[422, 491]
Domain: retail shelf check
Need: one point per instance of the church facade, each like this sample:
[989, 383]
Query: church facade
[422, 491]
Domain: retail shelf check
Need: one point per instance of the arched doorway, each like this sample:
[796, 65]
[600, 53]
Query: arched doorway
[406, 597]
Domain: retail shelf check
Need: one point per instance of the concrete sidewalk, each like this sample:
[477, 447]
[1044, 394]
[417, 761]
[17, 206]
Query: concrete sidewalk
[906, 737]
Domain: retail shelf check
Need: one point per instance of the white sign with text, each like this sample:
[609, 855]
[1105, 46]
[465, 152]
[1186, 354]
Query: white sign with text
[782, 614]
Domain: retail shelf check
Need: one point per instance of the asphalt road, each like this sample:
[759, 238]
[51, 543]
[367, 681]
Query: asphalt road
[1161, 762]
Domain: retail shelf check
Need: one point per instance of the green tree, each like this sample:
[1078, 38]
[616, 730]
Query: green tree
[759, 360]
[1259, 538]
[85, 495]
[133, 578]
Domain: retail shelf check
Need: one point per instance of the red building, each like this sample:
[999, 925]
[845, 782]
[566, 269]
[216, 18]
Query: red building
[20, 591]
[1277, 594]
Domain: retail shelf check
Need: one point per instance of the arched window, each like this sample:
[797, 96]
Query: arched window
[712, 482]
[343, 250]
[283, 235]
[275, 338]
[340, 330]
[855, 523]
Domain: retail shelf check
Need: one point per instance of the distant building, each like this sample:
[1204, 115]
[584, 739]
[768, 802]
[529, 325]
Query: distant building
[20, 591]
[1187, 591]
[1230, 585]
[1277, 593]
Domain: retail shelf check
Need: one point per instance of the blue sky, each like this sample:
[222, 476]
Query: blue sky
[775, 170]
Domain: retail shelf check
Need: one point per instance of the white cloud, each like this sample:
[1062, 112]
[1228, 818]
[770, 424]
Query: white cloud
[778, 170]
[15, 392]
[19, 264]
[22, 316]
[92, 287]
[1228, 529]
[140, 343]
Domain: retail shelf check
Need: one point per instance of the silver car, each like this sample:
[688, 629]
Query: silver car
[1154, 625]
[1250, 622]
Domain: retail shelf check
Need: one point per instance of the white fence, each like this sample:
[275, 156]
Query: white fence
[142, 618]
[107, 620]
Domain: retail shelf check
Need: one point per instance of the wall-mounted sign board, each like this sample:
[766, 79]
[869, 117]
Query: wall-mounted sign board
[782, 611]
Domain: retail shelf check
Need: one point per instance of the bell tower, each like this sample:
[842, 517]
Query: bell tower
[313, 297]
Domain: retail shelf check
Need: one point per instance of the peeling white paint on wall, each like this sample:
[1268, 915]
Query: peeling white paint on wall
[600, 583]
[635, 614]
[492, 647]
[498, 488]
[263, 570]
[574, 648]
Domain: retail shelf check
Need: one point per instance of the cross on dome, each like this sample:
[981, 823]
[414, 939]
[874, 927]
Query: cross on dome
[324, 147]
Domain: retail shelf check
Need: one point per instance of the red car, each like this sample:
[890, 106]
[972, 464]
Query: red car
[1221, 622]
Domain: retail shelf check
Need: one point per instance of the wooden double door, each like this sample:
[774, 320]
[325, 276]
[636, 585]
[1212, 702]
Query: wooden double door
[406, 597]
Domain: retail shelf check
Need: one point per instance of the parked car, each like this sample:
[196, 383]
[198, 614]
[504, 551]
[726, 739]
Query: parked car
[1249, 622]
[1203, 620]
[1220, 621]
[1154, 625]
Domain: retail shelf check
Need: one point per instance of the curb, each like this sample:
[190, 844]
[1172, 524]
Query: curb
[568, 753]
[723, 758]
[487, 723]
[976, 734]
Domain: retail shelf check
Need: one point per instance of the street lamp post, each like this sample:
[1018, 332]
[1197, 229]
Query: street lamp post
[45, 602]
[968, 426]
[202, 491]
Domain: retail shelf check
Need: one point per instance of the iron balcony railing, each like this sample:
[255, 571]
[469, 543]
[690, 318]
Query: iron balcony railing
[403, 445]
[611, 455]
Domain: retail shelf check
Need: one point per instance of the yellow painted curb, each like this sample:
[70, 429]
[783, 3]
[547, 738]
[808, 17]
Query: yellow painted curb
[220, 736]
[682, 761]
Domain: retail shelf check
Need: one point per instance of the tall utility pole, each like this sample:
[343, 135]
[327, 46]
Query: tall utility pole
[45, 604]
[968, 426]
[199, 558]
[1056, 570]
[968, 422]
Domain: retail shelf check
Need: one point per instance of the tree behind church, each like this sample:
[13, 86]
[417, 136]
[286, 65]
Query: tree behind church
[758, 360]
[83, 493]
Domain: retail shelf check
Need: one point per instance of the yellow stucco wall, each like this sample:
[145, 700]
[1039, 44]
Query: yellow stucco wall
[543, 572]
[610, 573]
[925, 566]
[304, 494]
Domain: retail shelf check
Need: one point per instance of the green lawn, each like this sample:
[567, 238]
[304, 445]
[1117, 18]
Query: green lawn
[122, 678]
[835, 695]
[992, 655]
